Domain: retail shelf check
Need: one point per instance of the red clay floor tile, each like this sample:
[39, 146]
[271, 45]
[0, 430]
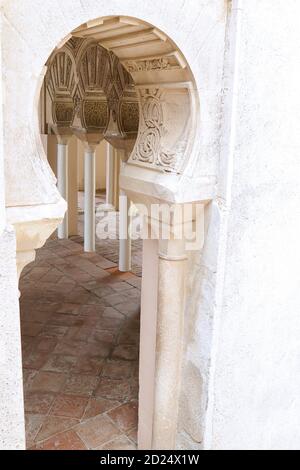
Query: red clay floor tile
[47, 382]
[72, 406]
[96, 431]
[125, 416]
[68, 440]
[53, 425]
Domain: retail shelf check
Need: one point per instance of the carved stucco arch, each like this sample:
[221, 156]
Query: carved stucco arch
[168, 103]
[165, 86]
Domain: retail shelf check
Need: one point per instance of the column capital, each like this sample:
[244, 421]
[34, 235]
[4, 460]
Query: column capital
[63, 134]
[63, 139]
[89, 139]
[90, 147]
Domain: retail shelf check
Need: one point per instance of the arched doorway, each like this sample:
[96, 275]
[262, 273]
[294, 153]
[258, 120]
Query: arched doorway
[93, 96]
[148, 179]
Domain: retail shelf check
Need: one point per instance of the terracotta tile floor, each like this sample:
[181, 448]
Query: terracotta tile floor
[80, 334]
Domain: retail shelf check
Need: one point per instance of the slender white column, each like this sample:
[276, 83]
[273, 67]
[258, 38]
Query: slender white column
[169, 338]
[62, 183]
[124, 236]
[117, 177]
[89, 199]
[147, 342]
[73, 187]
[110, 177]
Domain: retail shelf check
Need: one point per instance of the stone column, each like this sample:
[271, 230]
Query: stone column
[62, 181]
[149, 295]
[124, 235]
[169, 339]
[117, 177]
[89, 197]
[110, 178]
[73, 187]
[124, 222]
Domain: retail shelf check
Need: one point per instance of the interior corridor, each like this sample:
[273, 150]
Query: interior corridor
[80, 336]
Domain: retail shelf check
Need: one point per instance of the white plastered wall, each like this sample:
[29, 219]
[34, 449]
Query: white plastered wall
[254, 394]
[11, 390]
[243, 333]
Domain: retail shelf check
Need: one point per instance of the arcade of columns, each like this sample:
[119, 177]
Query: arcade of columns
[89, 94]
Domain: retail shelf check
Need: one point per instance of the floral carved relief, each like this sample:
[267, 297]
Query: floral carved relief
[149, 147]
[147, 65]
[130, 116]
[95, 114]
[63, 113]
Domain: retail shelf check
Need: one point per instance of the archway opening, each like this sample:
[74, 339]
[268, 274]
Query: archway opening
[117, 92]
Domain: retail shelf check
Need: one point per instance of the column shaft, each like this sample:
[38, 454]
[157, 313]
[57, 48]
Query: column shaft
[62, 184]
[124, 236]
[73, 187]
[117, 177]
[110, 176]
[147, 342]
[169, 339]
[89, 200]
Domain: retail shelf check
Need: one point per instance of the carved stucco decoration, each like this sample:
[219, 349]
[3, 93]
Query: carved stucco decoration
[162, 137]
[63, 113]
[98, 95]
[123, 123]
[146, 65]
[74, 44]
[129, 113]
[91, 111]
[61, 85]
[95, 96]
[95, 114]
[60, 76]
[93, 69]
